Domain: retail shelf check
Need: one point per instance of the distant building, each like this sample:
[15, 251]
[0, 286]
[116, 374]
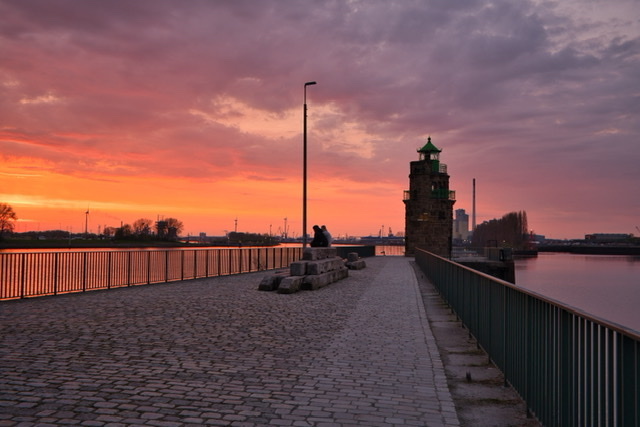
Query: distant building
[607, 237]
[461, 225]
[428, 204]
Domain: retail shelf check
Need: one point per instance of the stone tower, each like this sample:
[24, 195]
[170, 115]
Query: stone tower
[429, 205]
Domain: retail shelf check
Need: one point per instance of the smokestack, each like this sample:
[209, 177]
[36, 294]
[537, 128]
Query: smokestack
[473, 221]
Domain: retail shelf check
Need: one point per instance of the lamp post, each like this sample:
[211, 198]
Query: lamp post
[304, 169]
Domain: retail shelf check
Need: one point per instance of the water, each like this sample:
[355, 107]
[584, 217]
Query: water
[605, 286]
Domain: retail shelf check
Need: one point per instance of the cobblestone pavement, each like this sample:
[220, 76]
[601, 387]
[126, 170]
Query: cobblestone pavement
[220, 352]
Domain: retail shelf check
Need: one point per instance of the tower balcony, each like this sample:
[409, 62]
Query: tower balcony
[439, 193]
[443, 193]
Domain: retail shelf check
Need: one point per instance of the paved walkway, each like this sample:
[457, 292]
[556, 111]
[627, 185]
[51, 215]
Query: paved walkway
[220, 352]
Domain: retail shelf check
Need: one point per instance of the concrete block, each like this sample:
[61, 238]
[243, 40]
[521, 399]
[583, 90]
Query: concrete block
[324, 265]
[356, 265]
[290, 284]
[341, 273]
[352, 256]
[311, 283]
[312, 254]
[298, 268]
[267, 283]
[271, 283]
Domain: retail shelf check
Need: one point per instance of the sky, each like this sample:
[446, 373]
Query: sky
[193, 109]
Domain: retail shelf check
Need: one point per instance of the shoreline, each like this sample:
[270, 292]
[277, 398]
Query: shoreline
[592, 250]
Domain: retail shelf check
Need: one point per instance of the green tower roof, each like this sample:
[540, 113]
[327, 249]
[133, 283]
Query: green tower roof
[429, 148]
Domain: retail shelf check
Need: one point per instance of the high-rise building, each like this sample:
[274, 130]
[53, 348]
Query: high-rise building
[428, 204]
[461, 225]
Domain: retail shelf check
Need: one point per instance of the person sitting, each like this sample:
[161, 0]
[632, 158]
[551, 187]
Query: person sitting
[327, 235]
[319, 239]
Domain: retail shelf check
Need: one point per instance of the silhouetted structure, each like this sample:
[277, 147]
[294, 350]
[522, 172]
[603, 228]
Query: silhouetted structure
[429, 204]
[461, 226]
[510, 231]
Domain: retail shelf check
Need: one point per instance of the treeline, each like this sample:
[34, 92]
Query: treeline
[509, 231]
[140, 230]
[146, 229]
[241, 238]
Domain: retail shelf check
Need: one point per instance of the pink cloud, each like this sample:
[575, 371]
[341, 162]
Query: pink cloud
[536, 101]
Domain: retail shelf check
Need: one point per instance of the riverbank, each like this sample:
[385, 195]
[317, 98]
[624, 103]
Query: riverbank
[110, 244]
[86, 244]
[592, 249]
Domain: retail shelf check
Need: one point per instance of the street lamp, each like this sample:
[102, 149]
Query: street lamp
[304, 169]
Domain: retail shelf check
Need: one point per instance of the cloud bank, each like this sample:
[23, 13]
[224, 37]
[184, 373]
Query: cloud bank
[537, 100]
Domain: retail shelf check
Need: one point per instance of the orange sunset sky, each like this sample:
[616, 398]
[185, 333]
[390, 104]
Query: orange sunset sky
[193, 109]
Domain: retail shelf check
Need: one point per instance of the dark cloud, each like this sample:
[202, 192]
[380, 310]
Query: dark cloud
[525, 86]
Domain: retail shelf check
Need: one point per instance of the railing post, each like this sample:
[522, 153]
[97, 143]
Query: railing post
[181, 265]
[266, 257]
[23, 277]
[128, 268]
[195, 264]
[84, 272]
[148, 267]
[206, 263]
[55, 274]
[166, 265]
[109, 256]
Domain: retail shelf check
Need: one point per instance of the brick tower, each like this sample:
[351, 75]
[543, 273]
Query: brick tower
[429, 205]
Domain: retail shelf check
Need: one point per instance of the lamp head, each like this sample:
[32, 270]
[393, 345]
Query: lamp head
[309, 83]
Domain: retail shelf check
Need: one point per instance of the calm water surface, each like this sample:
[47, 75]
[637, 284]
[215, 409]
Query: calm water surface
[605, 286]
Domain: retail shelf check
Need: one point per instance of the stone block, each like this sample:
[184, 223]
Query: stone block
[290, 284]
[271, 283]
[313, 282]
[356, 265]
[312, 254]
[324, 265]
[352, 256]
[267, 284]
[341, 273]
[298, 268]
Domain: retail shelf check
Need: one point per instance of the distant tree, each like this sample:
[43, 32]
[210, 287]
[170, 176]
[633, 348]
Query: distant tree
[174, 228]
[161, 229]
[7, 219]
[169, 228]
[511, 231]
[124, 232]
[175, 224]
[109, 231]
[142, 228]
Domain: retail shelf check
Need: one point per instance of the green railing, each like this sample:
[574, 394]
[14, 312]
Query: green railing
[442, 193]
[572, 369]
[29, 274]
[438, 193]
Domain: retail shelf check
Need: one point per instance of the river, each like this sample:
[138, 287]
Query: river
[606, 286]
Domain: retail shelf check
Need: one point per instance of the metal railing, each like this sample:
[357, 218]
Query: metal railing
[29, 274]
[572, 369]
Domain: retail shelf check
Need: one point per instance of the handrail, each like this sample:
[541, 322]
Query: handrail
[30, 274]
[570, 367]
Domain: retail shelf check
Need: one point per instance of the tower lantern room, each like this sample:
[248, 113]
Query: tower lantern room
[429, 151]
[429, 204]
